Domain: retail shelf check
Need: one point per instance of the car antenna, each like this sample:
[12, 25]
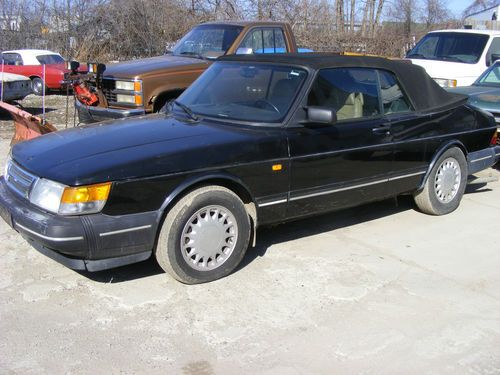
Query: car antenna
[43, 94]
[1, 92]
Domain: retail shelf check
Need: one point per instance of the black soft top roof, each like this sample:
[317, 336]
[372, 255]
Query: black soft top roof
[425, 94]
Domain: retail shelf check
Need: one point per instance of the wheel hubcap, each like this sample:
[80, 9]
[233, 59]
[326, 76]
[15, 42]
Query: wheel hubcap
[447, 180]
[208, 238]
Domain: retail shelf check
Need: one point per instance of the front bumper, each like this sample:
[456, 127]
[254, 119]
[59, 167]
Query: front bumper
[89, 114]
[87, 242]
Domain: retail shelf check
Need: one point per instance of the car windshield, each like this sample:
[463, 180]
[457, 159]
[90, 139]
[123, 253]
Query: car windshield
[50, 59]
[454, 47]
[207, 38]
[244, 92]
[490, 77]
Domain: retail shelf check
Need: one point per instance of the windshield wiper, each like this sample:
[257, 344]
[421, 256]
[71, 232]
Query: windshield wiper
[188, 110]
[192, 54]
[416, 55]
[451, 58]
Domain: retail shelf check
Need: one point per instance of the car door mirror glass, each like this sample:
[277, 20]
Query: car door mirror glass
[321, 115]
[495, 57]
[244, 51]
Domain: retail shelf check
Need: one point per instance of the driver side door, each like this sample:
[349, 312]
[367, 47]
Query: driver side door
[344, 164]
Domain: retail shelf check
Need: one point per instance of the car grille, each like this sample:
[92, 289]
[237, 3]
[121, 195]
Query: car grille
[108, 86]
[19, 180]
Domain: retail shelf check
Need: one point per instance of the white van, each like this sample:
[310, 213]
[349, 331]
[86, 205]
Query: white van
[456, 57]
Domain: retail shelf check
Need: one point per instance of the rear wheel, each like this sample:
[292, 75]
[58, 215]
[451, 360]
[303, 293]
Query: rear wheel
[445, 185]
[37, 86]
[204, 236]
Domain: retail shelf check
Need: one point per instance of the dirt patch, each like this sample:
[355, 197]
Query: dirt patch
[59, 111]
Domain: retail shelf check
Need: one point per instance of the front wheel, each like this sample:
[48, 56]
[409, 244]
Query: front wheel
[445, 185]
[204, 236]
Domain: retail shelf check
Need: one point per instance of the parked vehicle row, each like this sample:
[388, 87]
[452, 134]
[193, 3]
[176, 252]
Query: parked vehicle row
[255, 140]
[37, 64]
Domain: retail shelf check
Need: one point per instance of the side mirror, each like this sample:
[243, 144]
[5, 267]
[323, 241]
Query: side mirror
[494, 57]
[74, 65]
[100, 68]
[244, 51]
[212, 55]
[321, 115]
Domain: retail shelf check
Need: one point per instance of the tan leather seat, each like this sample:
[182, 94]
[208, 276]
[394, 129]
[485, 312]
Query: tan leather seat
[352, 108]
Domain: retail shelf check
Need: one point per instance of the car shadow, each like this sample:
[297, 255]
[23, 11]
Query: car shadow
[270, 235]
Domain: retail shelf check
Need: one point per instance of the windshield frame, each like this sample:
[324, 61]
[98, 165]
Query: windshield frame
[179, 44]
[438, 34]
[294, 102]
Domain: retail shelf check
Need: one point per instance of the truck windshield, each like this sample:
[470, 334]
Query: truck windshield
[244, 92]
[446, 46]
[207, 38]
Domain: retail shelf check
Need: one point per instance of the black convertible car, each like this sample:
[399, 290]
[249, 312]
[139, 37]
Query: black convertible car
[255, 140]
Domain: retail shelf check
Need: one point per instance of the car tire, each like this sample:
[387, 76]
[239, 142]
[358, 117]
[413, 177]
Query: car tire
[445, 184]
[204, 235]
[37, 86]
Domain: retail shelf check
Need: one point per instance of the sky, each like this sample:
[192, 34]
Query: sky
[458, 6]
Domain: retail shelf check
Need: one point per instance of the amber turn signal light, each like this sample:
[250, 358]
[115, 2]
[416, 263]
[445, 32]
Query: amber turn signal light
[83, 194]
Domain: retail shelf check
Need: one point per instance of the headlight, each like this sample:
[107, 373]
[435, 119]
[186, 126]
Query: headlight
[47, 195]
[123, 98]
[444, 82]
[128, 85]
[124, 85]
[135, 99]
[64, 200]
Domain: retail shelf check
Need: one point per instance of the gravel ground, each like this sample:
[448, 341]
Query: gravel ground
[55, 112]
[380, 289]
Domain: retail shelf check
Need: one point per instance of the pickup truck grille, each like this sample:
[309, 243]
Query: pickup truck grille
[108, 87]
[19, 180]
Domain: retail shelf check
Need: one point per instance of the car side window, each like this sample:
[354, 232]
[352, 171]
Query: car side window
[494, 49]
[393, 98]
[12, 59]
[265, 40]
[351, 92]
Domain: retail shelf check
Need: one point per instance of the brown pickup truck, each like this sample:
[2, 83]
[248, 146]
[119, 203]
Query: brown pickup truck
[143, 86]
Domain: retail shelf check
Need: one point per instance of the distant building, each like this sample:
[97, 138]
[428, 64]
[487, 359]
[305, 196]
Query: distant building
[10, 23]
[486, 19]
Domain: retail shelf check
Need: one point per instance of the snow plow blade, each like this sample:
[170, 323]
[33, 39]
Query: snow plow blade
[27, 126]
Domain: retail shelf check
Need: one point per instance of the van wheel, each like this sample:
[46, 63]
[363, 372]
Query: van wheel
[445, 185]
[204, 236]
[37, 86]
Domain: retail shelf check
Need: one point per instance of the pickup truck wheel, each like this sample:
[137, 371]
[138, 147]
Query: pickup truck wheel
[37, 86]
[204, 236]
[445, 185]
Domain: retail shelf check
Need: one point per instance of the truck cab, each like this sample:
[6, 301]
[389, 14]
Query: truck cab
[456, 57]
[143, 86]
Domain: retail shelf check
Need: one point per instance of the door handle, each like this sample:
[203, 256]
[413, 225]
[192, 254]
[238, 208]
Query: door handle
[382, 130]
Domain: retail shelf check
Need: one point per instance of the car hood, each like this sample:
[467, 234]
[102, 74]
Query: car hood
[150, 66]
[484, 97]
[10, 77]
[132, 148]
[465, 74]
